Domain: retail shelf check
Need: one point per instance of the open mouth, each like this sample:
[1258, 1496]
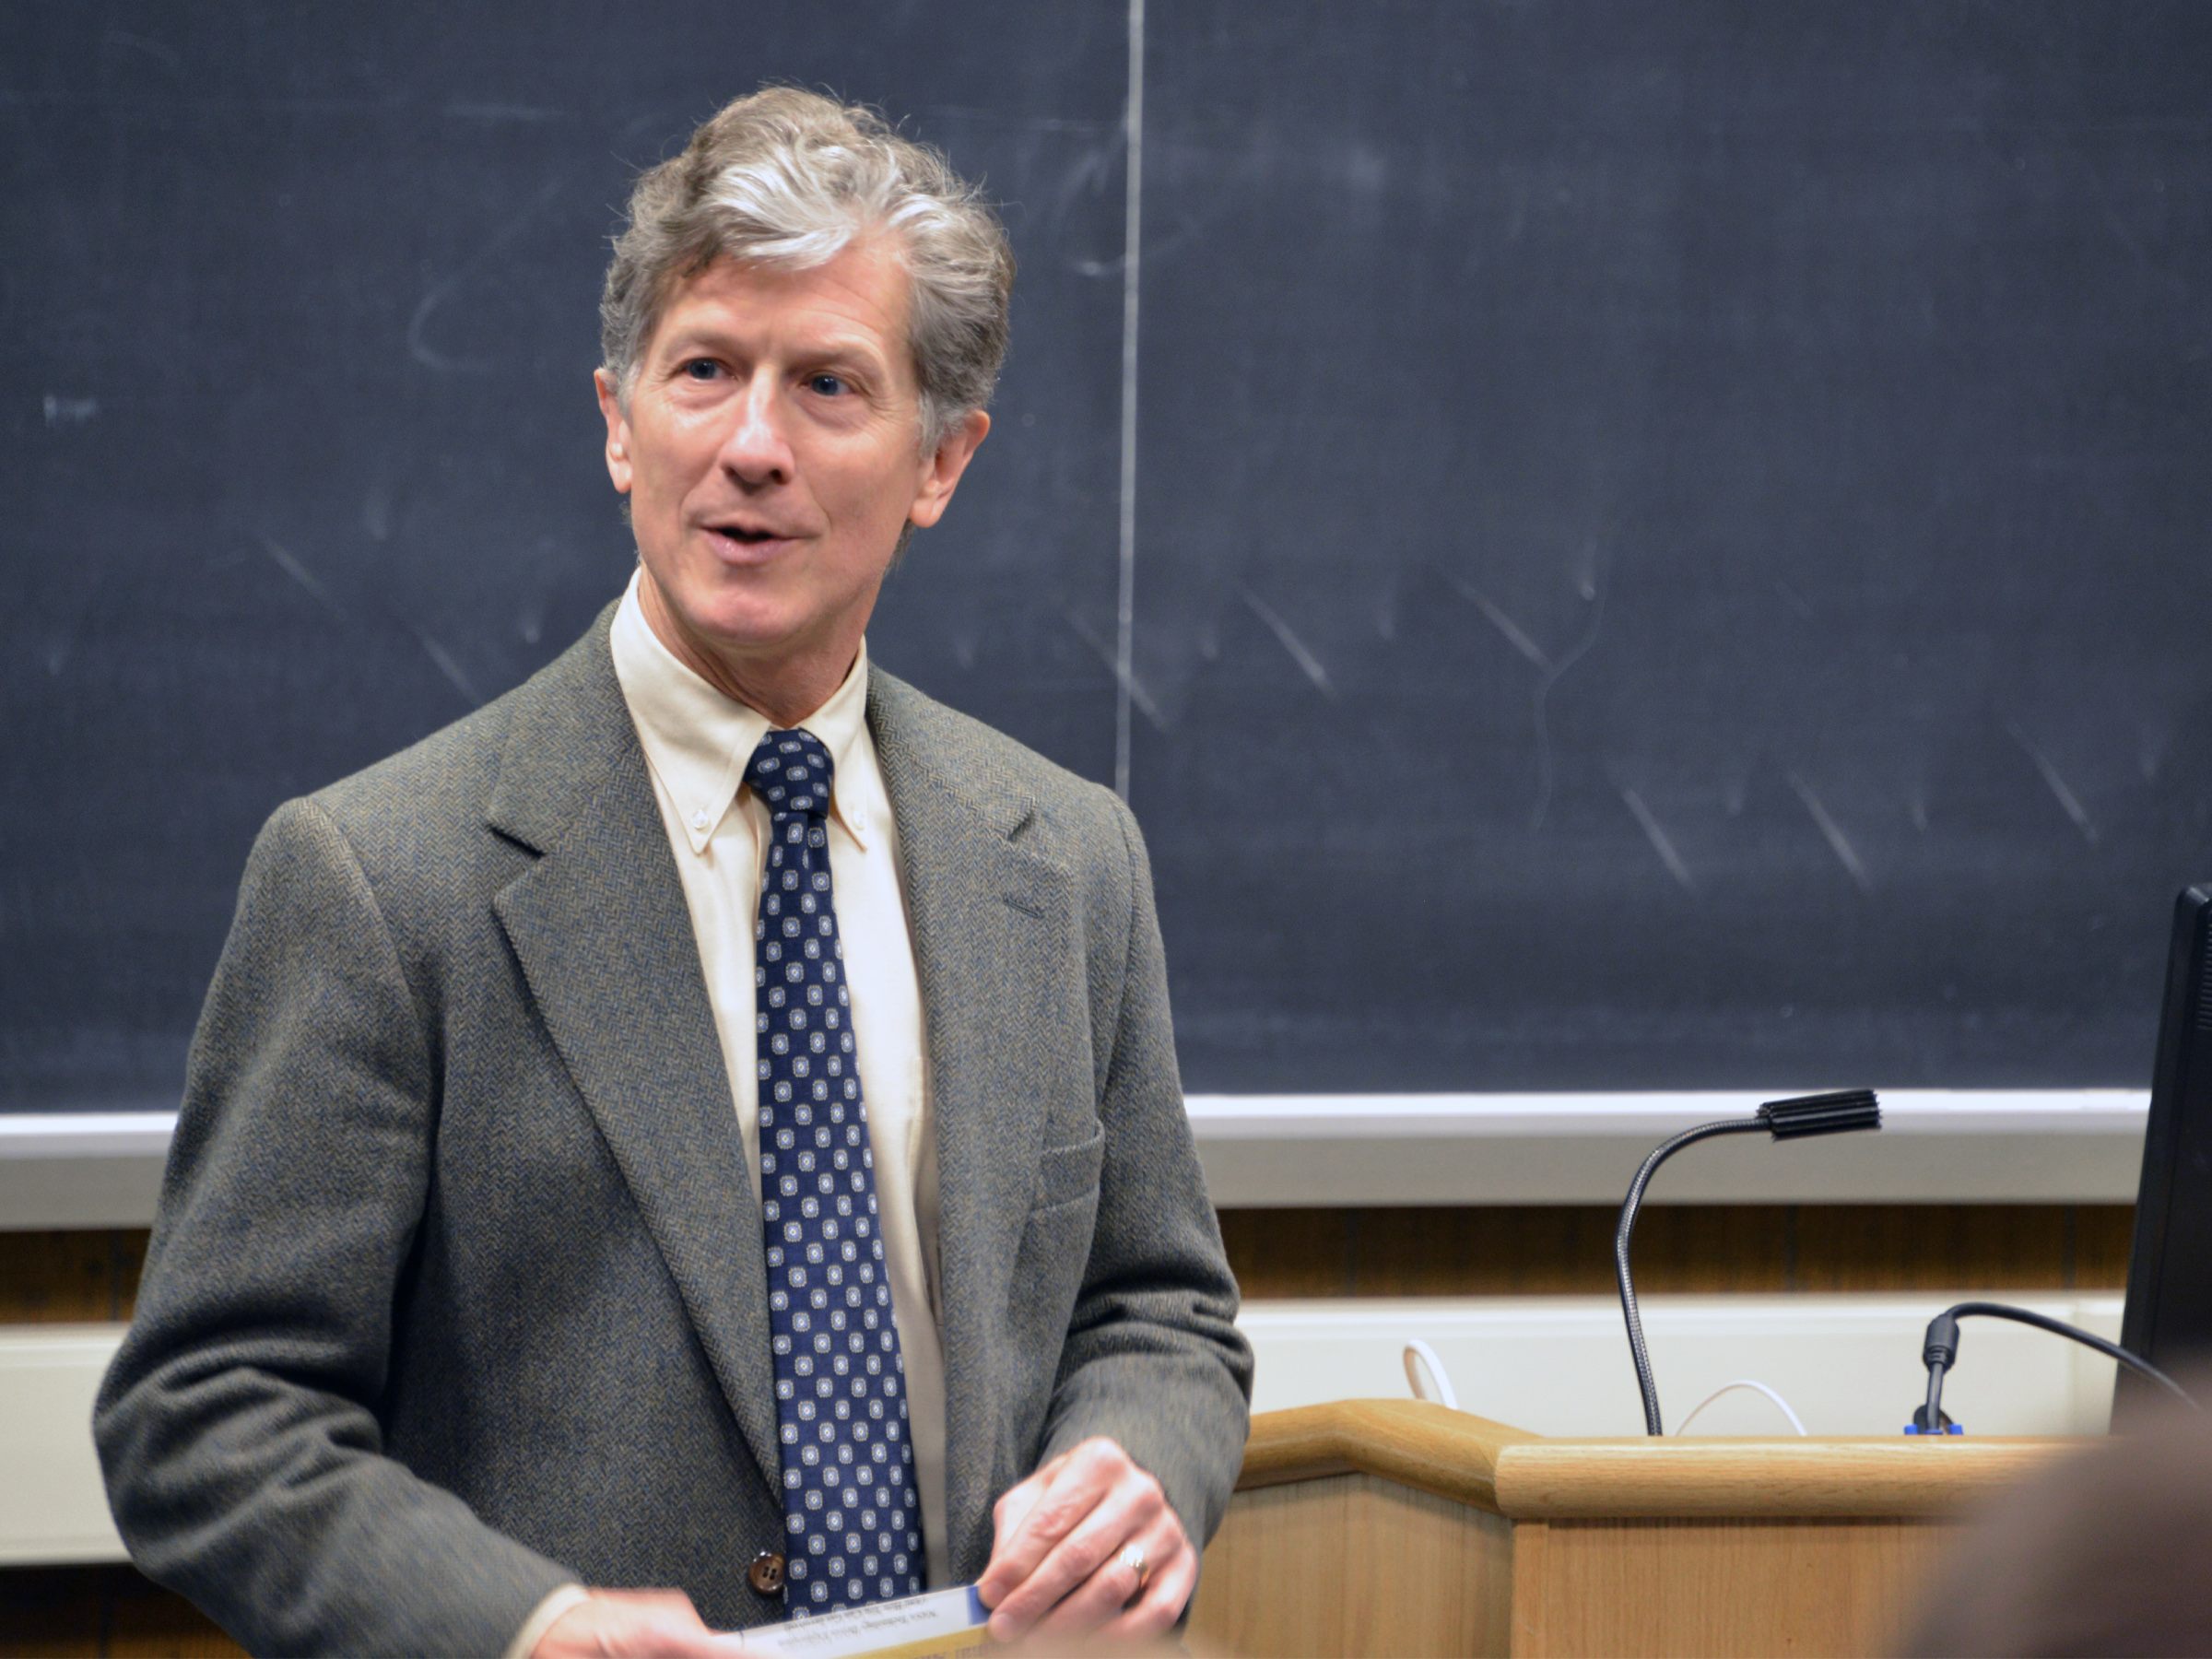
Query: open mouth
[743, 535]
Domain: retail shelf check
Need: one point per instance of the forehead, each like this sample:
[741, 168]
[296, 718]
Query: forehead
[858, 300]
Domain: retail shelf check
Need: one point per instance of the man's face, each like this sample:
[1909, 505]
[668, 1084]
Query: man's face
[771, 453]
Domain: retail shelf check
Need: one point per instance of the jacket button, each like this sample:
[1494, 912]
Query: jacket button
[766, 1573]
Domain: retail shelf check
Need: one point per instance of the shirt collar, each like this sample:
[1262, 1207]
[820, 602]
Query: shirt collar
[698, 740]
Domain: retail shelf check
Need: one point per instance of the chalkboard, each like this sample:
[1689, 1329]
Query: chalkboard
[1674, 539]
[1668, 539]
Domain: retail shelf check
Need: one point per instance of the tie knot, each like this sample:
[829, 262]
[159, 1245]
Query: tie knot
[791, 771]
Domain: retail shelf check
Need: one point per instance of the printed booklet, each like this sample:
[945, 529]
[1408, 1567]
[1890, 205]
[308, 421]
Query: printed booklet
[945, 1624]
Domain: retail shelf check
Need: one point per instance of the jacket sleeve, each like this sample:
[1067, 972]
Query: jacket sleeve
[238, 1427]
[1153, 1357]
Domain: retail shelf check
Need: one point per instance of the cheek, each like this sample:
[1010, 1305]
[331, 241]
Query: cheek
[873, 490]
[663, 488]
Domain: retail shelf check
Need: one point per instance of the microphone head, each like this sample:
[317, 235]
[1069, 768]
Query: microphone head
[1836, 1114]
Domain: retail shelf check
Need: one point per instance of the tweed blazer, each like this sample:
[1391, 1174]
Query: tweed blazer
[456, 1289]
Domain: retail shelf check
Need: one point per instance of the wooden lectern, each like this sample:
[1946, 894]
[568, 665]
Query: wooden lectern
[1397, 1528]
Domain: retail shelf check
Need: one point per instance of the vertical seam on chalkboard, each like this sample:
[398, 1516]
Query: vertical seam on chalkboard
[1125, 642]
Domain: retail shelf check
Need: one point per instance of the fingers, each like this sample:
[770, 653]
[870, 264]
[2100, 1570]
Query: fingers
[1014, 1507]
[1036, 1514]
[1116, 1603]
[1060, 1543]
[1050, 1540]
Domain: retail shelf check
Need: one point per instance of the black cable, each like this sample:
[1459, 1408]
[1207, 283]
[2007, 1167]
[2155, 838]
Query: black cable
[1940, 1351]
[1928, 1419]
[1660, 1154]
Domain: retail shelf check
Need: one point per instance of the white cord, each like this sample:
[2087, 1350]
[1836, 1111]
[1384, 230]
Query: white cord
[1742, 1382]
[1419, 1354]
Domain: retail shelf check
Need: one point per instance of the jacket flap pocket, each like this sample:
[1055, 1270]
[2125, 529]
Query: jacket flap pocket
[1070, 1171]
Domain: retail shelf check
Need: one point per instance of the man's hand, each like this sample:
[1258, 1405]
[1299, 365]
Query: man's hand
[1060, 1564]
[634, 1624]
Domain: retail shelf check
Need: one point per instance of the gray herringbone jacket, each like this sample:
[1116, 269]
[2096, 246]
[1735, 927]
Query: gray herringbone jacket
[456, 1290]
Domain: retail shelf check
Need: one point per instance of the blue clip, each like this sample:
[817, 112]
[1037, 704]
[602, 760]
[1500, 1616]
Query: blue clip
[1947, 1429]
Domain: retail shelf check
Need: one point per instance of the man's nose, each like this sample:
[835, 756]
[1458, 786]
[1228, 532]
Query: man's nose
[757, 451]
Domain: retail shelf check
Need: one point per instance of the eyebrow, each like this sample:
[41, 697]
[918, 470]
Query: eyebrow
[837, 349]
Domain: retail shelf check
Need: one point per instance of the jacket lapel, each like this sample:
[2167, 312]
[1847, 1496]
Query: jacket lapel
[600, 926]
[990, 923]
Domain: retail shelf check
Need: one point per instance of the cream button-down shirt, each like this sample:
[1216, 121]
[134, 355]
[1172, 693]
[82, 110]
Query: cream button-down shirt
[697, 742]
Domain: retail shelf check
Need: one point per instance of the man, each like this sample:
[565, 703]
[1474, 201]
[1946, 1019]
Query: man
[555, 1208]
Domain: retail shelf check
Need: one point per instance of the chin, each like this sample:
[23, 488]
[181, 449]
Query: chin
[738, 614]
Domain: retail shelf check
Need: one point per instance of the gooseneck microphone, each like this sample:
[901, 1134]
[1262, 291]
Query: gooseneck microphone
[1837, 1113]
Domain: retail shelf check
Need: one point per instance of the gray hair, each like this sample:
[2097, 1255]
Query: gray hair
[790, 178]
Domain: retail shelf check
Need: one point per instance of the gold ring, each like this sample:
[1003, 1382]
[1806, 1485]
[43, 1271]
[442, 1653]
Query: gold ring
[1132, 1558]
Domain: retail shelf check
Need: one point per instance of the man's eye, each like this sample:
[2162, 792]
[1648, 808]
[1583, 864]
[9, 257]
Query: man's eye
[825, 386]
[699, 369]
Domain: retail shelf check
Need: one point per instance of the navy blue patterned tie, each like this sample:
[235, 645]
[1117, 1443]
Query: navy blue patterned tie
[850, 1506]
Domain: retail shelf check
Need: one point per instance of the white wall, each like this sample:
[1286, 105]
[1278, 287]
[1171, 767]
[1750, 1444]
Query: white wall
[52, 1508]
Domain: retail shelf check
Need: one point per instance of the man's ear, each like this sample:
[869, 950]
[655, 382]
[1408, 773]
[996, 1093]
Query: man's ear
[941, 473]
[618, 430]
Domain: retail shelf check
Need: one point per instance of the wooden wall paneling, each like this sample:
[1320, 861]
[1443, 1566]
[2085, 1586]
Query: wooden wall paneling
[101, 1613]
[1567, 1250]
[1290, 1252]
[1530, 1250]
[2103, 1236]
[1713, 1250]
[69, 1277]
[1934, 1246]
[1535, 1250]
[148, 1622]
[50, 1613]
